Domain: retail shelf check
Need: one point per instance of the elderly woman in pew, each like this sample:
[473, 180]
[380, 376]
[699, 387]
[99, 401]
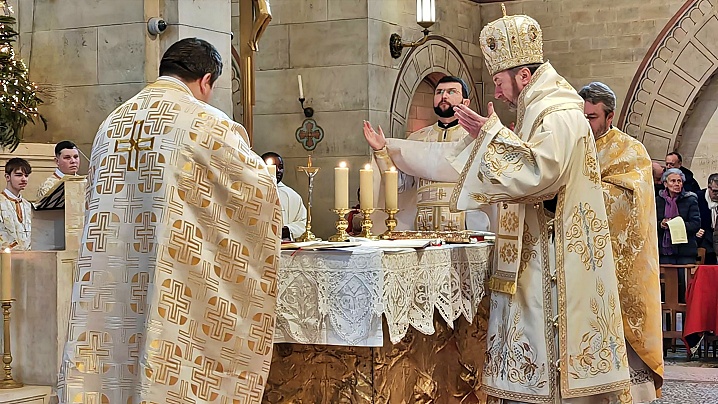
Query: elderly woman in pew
[671, 202]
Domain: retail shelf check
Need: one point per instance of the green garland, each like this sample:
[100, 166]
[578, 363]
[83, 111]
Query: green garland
[18, 95]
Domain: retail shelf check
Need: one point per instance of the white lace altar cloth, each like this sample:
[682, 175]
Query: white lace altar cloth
[338, 297]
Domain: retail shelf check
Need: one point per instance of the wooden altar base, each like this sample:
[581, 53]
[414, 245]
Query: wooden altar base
[440, 368]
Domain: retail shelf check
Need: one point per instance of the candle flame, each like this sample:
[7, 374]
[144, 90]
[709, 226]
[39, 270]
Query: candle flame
[6, 250]
[343, 164]
[367, 167]
[392, 168]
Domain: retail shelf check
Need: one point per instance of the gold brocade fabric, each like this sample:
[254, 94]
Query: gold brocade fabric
[174, 296]
[631, 208]
[47, 185]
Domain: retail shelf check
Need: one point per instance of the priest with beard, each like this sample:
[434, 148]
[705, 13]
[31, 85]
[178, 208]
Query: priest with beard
[424, 201]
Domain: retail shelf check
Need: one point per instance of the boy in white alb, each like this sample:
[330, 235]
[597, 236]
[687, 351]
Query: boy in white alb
[67, 159]
[15, 211]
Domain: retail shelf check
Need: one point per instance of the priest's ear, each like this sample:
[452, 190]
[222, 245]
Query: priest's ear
[205, 86]
[466, 101]
[609, 120]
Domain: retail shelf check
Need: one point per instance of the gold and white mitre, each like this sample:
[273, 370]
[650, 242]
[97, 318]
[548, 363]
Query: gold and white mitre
[511, 41]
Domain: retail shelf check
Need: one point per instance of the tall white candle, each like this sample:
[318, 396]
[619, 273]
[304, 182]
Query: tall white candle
[6, 274]
[366, 187]
[341, 186]
[391, 189]
[301, 89]
[272, 168]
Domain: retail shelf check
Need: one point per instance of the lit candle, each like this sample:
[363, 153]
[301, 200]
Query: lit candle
[6, 274]
[301, 90]
[391, 188]
[272, 168]
[366, 187]
[341, 186]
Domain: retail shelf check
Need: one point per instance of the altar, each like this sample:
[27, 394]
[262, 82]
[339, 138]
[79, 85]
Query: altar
[367, 325]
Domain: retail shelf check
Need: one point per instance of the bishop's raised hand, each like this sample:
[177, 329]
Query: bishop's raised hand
[470, 120]
[376, 141]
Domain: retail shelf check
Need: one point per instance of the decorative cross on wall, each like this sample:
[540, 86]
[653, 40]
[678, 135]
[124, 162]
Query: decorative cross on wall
[309, 134]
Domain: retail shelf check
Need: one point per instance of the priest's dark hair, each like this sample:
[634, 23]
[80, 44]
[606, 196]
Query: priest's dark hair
[190, 59]
[16, 163]
[65, 144]
[454, 79]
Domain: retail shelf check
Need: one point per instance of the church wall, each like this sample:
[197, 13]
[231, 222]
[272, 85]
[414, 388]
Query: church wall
[699, 144]
[340, 48]
[592, 40]
[87, 56]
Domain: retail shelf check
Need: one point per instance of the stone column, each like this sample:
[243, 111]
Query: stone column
[207, 19]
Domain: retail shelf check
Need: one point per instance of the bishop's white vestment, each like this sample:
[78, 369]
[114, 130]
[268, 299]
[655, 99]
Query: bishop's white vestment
[15, 221]
[174, 297]
[555, 333]
[294, 214]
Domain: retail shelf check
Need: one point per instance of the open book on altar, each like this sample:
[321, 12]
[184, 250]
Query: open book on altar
[58, 217]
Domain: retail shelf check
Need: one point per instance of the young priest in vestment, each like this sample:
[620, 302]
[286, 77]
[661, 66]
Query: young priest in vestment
[67, 159]
[15, 211]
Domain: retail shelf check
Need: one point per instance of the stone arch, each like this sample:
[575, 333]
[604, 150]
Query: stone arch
[670, 78]
[437, 54]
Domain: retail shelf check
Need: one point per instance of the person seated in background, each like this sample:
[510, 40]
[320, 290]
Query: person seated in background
[15, 211]
[67, 159]
[294, 214]
[671, 202]
[708, 207]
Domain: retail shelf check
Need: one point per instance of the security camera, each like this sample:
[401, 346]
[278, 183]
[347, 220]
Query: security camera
[156, 26]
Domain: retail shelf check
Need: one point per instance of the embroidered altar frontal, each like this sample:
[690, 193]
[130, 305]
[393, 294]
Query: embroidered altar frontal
[345, 309]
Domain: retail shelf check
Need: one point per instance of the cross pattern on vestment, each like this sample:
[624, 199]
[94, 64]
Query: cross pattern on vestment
[135, 143]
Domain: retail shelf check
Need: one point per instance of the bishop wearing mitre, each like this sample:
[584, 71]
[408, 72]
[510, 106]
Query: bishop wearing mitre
[555, 333]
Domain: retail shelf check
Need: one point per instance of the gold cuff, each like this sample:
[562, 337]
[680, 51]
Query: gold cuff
[381, 153]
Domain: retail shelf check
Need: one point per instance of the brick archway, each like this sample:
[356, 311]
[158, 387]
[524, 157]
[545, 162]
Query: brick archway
[669, 80]
[438, 54]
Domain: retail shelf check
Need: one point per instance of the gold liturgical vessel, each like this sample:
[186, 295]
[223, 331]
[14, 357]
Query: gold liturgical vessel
[311, 171]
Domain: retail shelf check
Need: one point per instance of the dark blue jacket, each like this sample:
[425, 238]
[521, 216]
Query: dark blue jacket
[688, 209]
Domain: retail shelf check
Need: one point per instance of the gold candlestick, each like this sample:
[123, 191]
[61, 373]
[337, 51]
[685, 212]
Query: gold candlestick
[366, 225]
[8, 382]
[311, 171]
[390, 222]
[342, 225]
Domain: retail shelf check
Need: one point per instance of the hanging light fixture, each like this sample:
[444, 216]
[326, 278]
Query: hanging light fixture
[425, 17]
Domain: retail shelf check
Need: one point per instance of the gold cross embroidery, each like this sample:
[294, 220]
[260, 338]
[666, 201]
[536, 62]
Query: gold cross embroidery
[441, 193]
[135, 143]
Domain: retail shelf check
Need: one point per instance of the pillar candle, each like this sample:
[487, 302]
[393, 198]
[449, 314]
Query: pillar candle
[341, 186]
[6, 274]
[391, 188]
[272, 168]
[366, 187]
[301, 89]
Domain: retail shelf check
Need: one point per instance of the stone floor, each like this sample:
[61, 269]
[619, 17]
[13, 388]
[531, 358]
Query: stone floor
[690, 382]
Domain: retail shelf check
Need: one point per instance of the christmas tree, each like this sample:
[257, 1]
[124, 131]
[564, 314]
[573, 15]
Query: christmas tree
[18, 95]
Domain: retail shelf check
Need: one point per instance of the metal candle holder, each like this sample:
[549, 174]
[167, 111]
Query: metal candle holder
[311, 171]
[7, 382]
[390, 222]
[366, 225]
[342, 225]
